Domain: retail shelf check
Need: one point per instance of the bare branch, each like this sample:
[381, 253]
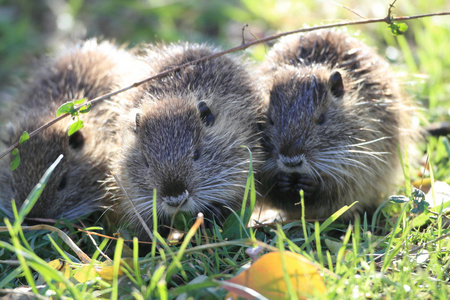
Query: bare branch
[349, 9]
[388, 19]
[243, 33]
[391, 6]
[141, 220]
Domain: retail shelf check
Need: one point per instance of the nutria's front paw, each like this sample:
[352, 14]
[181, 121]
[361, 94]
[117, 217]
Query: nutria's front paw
[307, 184]
[296, 182]
[285, 183]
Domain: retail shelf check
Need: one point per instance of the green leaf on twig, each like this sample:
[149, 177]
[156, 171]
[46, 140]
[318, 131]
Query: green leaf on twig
[24, 137]
[75, 126]
[16, 160]
[85, 109]
[65, 109]
[398, 28]
[79, 102]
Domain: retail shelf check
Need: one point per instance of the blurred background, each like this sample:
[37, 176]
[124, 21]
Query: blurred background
[32, 29]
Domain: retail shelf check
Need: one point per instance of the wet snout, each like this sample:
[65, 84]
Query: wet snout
[174, 193]
[176, 200]
[291, 164]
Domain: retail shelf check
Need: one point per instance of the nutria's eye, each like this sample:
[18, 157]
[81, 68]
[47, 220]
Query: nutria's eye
[259, 126]
[62, 184]
[336, 85]
[196, 155]
[76, 140]
[146, 163]
[205, 113]
[321, 119]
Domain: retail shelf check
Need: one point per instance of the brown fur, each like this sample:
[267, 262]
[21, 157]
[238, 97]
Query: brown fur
[184, 136]
[74, 189]
[333, 135]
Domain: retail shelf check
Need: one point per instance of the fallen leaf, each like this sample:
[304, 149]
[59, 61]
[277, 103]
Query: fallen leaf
[265, 276]
[75, 273]
[85, 272]
[105, 270]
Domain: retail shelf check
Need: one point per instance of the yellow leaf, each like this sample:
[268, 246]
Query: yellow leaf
[85, 273]
[105, 270]
[79, 274]
[56, 264]
[127, 251]
[265, 276]
[63, 267]
[423, 184]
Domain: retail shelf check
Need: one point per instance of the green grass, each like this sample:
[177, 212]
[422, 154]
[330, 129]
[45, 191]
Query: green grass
[403, 255]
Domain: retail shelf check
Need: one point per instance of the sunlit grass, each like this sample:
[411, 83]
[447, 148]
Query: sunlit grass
[399, 256]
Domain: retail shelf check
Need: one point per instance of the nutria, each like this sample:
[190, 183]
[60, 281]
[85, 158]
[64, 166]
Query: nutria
[185, 134]
[87, 70]
[334, 121]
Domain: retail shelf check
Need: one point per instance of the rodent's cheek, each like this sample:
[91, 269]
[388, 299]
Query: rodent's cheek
[141, 159]
[267, 139]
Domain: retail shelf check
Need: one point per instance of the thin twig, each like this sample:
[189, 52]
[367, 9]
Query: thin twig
[391, 6]
[144, 225]
[96, 246]
[349, 9]
[418, 248]
[243, 33]
[388, 19]
[423, 173]
[81, 255]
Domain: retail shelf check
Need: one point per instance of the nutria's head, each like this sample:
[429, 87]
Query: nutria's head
[317, 128]
[187, 150]
[332, 126]
[87, 70]
[73, 188]
[188, 135]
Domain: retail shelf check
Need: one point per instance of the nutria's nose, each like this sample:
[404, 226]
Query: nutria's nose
[176, 200]
[174, 192]
[292, 161]
[172, 188]
[293, 164]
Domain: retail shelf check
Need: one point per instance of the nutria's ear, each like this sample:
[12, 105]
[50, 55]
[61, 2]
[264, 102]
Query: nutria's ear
[205, 113]
[76, 140]
[132, 119]
[138, 120]
[336, 85]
